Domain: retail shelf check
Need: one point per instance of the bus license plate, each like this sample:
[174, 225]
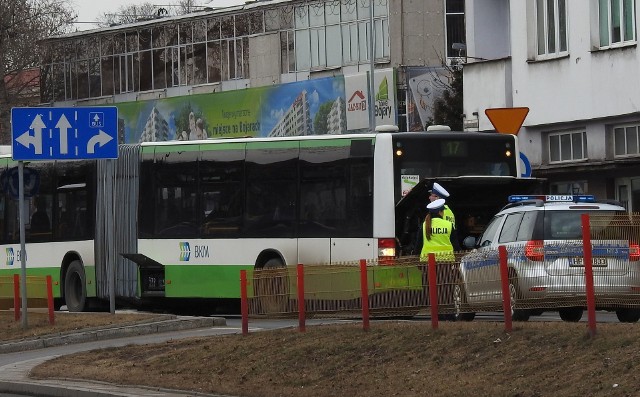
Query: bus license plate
[579, 261]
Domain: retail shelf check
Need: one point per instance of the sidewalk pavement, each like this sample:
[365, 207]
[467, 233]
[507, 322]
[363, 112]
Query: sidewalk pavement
[14, 377]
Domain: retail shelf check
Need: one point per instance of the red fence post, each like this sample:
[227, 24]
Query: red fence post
[588, 275]
[506, 296]
[244, 304]
[364, 291]
[16, 297]
[50, 300]
[433, 290]
[301, 312]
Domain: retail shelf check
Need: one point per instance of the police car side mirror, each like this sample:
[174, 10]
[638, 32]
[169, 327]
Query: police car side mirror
[469, 242]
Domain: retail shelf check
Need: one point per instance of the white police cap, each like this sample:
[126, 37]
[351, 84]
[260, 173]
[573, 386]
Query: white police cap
[436, 205]
[439, 190]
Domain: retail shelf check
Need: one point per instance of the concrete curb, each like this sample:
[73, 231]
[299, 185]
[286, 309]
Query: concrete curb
[34, 389]
[173, 324]
[91, 390]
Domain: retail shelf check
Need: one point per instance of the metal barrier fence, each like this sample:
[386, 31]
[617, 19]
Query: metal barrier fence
[540, 275]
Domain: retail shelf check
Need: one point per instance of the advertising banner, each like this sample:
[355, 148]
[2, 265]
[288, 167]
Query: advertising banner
[357, 97]
[309, 107]
[426, 85]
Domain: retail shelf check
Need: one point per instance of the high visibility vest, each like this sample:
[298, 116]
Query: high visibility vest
[448, 215]
[440, 243]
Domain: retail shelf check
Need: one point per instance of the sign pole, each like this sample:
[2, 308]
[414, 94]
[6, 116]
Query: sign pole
[23, 250]
[372, 84]
[109, 224]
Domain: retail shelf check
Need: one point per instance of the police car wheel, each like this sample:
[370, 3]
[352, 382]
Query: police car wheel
[628, 315]
[517, 314]
[570, 314]
[459, 303]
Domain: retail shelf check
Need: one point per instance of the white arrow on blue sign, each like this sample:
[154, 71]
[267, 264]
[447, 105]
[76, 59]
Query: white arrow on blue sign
[42, 133]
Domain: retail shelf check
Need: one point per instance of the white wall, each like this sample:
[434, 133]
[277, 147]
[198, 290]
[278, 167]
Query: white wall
[577, 91]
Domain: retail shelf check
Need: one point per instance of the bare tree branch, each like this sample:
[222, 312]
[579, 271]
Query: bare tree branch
[23, 23]
[134, 13]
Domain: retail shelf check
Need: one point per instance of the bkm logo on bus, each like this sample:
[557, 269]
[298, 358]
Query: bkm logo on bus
[12, 256]
[199, 251]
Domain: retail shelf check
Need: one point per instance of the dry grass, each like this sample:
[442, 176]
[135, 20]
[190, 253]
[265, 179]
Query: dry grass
[391, 359]
[38, 323]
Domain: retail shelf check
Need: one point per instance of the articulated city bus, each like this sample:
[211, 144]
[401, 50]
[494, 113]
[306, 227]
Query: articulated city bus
[179, 220]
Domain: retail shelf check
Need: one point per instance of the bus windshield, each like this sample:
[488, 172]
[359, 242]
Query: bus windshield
[421, 156]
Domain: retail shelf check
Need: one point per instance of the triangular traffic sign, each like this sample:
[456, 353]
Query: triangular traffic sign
[507, 120]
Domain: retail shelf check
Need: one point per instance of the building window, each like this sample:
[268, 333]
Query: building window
[574, 187]
[551, 27]
[454, 20]
[625, 140]
[616, 20]
[567, 146]
[333, 33]
[287, 53]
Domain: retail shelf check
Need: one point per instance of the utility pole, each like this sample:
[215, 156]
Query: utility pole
[372, 85]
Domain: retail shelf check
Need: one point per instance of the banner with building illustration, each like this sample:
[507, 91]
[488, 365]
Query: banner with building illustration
[309, 107]
[426, 85]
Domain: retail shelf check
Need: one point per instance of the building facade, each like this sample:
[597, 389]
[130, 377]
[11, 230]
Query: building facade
[259, 44]
[575, 64]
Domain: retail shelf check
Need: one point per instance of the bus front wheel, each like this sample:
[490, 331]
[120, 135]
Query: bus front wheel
[75, 292]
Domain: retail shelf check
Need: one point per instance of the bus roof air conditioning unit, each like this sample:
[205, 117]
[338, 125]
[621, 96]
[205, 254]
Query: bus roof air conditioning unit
[438, 127]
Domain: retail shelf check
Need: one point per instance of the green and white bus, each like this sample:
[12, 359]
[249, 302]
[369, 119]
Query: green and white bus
[178, 220]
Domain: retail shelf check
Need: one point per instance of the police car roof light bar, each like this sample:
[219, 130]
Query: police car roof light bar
[576, 198]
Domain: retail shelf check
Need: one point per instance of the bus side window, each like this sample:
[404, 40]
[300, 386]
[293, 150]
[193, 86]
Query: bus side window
[361, 200]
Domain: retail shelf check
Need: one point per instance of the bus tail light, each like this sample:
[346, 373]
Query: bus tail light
[386, 251]
[534, 250]
[634, 251]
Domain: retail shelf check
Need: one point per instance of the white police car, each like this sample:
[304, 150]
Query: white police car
[543, 239]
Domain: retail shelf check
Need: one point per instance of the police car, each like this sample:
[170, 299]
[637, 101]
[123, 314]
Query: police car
[543, 239]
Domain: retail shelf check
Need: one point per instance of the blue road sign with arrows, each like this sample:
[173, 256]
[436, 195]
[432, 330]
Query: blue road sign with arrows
[42, 133]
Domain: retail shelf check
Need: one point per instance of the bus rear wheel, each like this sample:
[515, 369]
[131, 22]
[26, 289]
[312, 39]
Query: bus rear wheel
[272, 287]
[75, 292]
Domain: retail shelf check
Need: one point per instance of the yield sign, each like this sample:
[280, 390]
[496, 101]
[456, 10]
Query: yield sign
[507, 120]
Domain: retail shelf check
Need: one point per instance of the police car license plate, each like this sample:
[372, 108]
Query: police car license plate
[579, 261]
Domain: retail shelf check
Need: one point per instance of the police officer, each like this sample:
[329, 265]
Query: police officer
[436, 233]
[438, 192]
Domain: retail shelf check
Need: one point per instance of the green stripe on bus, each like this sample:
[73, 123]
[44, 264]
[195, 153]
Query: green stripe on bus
[219, 281]
[273, 145]
[222, 146]
[313, 143]
[329, 282]
[56, 284]
[176, 148]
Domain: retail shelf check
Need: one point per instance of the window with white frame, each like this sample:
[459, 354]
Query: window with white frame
[616, 22]
[551, 28]
[567, 146]
[625, 140]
